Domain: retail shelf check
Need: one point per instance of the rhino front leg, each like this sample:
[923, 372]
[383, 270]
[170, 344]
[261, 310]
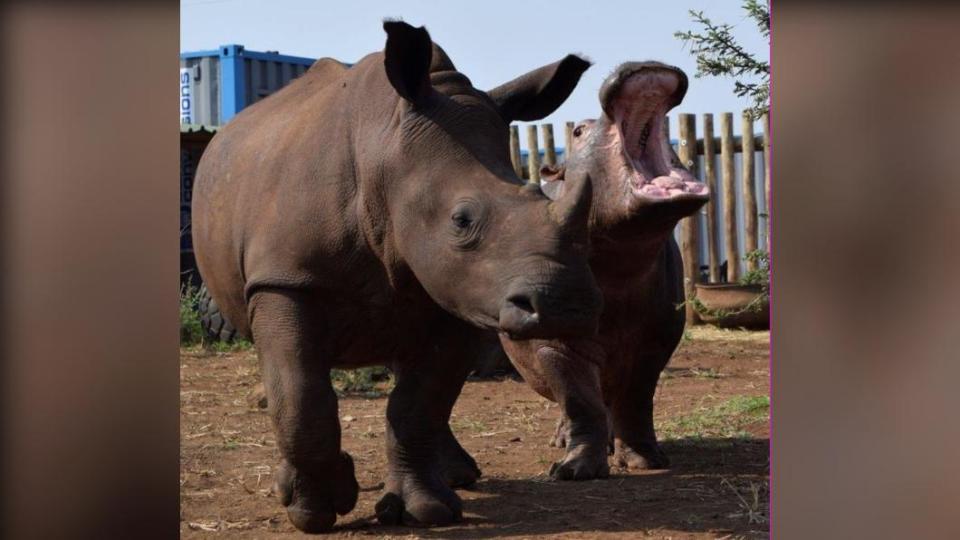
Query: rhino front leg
[573, 376]
[316, 479]
[417, 414]
[561, 434]
[635, 441]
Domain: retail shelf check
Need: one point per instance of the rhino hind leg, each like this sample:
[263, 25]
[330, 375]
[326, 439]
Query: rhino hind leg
[635, 441]
[316, 479]
[457, 465]
[416, 491]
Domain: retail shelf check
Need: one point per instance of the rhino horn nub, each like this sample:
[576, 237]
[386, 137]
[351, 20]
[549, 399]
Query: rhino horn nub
[572, 209]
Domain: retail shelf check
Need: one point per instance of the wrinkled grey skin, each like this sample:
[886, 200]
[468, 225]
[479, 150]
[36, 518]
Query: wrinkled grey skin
[605, 384]
[370, 216]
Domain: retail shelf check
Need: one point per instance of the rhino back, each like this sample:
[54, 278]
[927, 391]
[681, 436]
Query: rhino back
[277, 192]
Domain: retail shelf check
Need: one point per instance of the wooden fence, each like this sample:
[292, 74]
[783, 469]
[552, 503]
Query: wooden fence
[728, 227]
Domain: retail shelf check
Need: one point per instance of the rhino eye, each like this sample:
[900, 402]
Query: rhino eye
[462, 220]
[578, 131]
[467, 222]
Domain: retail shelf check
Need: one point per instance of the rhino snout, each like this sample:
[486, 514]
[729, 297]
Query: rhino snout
[532, 312]
[518, 316]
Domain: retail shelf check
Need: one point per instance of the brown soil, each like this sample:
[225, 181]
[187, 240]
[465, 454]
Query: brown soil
[717, 486]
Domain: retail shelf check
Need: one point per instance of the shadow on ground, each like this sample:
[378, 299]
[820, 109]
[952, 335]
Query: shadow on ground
[714, 486]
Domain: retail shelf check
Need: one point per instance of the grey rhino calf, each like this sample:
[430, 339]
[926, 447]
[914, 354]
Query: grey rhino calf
[605, 384]
[371, 216]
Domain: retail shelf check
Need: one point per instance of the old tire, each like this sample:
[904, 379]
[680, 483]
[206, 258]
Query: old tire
[215, 326]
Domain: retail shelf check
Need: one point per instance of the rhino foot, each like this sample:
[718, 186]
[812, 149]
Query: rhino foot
[584, 462]
[644, 457]
[414, 501]
[313, 501]
[561, 436]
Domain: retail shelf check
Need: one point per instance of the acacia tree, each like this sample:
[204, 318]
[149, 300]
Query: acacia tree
[719, 55]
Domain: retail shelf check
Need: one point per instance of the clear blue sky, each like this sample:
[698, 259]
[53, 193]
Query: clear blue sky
[490, 41]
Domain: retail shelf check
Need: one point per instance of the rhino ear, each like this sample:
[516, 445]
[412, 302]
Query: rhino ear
[552, 172]
[407, 60]
[540, 92]
[551, 181]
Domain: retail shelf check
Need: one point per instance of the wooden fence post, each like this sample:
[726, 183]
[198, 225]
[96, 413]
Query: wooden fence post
[533, 158]
[550, 151]
[569, 141]
[749, 190]
[728, 178]
[515, 151]
[689, 228]
[766, 175]
[710, 178]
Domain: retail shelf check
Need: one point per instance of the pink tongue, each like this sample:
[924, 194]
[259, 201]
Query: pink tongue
[668, 182]
[655, 191]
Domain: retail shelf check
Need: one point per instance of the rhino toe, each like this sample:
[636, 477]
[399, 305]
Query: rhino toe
[460, 474]
[641, 459]
[313, 502]
[389, 509]
[429, 511]
[309, 521]
[414, 502]
[582, 463]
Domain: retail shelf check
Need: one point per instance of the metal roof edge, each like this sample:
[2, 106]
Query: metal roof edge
[199, 54]
[253, 55]
[277, 57]
[198, 128]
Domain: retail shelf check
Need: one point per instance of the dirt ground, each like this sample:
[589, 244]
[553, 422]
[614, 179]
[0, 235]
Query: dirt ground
[712, 416]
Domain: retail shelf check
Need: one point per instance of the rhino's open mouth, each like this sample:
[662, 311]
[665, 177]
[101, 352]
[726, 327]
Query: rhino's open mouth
[639, 110]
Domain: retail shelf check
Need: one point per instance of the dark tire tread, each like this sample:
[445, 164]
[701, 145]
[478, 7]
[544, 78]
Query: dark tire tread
[215, 326]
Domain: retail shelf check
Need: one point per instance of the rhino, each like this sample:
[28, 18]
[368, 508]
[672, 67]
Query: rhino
[605, 384]
[370, 215]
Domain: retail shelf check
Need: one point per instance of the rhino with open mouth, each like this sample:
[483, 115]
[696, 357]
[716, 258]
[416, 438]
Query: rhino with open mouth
[605, 384]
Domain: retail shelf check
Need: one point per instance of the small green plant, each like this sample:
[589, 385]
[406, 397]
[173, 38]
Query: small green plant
[230, 444]
[707, 373]
[236, 345]
[468, 424]
[761, 274]
[373, 381]
[726, 419]
[754, 509]
[191, 332]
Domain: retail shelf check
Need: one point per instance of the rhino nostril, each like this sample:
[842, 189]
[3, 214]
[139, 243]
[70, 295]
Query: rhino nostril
[523, 303]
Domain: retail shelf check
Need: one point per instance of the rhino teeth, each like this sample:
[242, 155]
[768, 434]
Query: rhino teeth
[644, 136]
